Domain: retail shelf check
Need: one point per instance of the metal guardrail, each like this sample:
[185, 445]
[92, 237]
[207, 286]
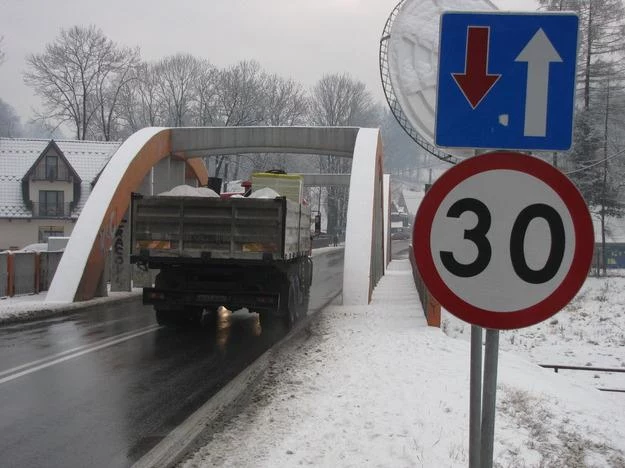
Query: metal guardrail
[556, 367]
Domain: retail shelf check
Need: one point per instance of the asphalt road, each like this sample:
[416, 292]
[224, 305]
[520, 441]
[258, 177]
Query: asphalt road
[100, 389]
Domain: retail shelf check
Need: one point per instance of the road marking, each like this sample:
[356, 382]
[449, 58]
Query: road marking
[63, 356]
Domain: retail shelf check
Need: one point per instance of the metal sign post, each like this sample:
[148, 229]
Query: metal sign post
[475, 398]
[480, 259]
[491, 357]
[502, 240]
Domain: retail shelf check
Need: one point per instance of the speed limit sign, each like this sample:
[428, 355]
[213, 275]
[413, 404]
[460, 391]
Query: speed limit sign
[503, 240]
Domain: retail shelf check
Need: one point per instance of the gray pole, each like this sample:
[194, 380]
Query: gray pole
[491, 356]
[475, 397]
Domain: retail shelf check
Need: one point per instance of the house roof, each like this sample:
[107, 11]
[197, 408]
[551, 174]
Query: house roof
[17, 156]
[52, 145]
[412, 199]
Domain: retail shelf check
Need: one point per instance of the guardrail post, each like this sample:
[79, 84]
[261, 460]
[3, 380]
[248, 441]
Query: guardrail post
[11, 275]
[433, 314]
[37, 272]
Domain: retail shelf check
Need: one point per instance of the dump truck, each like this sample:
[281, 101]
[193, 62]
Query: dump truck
[235, 252]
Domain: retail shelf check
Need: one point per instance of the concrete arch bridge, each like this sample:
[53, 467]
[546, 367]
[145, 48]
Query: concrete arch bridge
[82, 265]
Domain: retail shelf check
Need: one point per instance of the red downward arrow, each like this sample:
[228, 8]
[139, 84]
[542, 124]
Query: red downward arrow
[475, 82]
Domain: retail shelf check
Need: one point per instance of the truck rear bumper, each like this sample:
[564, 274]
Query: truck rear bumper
[173, 299]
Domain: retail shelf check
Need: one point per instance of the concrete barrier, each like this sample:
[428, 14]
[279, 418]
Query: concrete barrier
[24, 273]
[48, 263]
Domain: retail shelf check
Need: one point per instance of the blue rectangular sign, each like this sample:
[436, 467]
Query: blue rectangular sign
[506, 80]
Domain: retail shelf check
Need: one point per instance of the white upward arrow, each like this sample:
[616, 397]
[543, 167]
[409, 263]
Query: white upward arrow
[538, 53]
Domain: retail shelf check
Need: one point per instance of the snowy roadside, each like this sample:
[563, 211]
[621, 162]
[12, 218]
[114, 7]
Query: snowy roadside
[374, 386]
[34, 306]
[590, 331]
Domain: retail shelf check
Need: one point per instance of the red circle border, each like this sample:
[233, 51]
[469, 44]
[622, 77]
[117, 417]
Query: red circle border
[582, 225]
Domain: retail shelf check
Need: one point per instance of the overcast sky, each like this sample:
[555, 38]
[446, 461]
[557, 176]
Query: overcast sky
[302, 39]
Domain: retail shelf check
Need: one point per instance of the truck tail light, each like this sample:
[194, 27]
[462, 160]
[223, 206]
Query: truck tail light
[157, 296]
[154, 244]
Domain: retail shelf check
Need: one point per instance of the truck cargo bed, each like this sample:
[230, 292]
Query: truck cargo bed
[215, 228]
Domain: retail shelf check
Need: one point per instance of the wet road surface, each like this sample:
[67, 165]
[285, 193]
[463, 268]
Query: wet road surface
[100, 389]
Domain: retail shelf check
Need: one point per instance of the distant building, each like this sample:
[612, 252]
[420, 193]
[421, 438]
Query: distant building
[44, 185]
[409, 201]
[615, 241]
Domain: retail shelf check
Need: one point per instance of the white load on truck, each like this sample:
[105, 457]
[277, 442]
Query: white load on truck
[237, 252]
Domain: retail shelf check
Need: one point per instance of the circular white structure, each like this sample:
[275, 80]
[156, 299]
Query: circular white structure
[413, 57]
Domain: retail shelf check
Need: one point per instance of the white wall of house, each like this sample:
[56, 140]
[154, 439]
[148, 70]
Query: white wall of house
[20, 232]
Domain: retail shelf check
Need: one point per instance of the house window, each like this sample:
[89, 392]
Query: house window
[51, 203]
[50, 231]
[52, 167]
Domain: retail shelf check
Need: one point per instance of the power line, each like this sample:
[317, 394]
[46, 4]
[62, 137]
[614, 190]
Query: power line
[601, 161]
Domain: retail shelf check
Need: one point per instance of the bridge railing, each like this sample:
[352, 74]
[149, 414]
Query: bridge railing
[431, 307]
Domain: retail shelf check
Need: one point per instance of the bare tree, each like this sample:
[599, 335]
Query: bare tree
[205, 95]
[2, 53]
[109, 89]
[177, 77]
[238, 102]
[239, 95]
[339, 100]
[141, 104]
[68, 74]
[10, 125]
[285, 101]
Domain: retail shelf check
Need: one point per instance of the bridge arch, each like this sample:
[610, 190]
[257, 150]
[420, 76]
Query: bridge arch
[82, 264]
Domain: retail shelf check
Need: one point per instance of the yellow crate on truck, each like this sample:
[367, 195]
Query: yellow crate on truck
[290, 186]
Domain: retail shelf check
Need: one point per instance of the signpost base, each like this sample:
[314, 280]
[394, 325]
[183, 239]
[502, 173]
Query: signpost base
[475, 397]
[491, 357]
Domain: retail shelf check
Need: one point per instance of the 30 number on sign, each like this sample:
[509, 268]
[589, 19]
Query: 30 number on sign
[477, 235]
[502, 240]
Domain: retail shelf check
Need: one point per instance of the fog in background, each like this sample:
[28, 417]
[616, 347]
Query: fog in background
[299, 39]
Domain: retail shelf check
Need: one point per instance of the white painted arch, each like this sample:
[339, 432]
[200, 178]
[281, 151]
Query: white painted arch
[82, 264]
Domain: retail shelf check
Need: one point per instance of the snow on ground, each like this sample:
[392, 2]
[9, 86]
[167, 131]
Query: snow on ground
[590, 331]
[374, 386]
[35, 305]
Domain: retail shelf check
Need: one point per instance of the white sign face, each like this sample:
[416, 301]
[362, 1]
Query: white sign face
[413, 57]
[503, 240]
[498, 288]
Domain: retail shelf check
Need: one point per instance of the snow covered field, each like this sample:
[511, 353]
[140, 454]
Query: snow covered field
[590, 331]
[374, 386]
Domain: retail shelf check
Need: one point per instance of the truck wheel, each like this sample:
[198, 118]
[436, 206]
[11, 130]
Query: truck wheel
[166, 318]
[288, 308]
[193, 316]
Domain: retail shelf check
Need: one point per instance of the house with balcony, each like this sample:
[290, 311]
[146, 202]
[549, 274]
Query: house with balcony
[44, 185]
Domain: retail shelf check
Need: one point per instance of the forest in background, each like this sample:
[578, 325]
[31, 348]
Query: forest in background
[92, 88]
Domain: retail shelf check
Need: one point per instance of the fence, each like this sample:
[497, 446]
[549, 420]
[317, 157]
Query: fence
[555, 368]
[32, 272]
[27, 272]
[4, 274]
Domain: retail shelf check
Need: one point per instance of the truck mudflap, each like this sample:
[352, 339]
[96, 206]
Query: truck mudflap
[255, 301]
